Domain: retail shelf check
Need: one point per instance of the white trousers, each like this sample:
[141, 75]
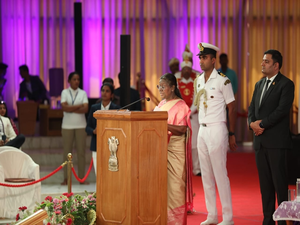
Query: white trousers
[212, 148]
[94, 155]
[195, 157]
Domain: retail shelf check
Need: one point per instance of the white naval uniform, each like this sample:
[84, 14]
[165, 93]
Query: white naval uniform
[213, 142]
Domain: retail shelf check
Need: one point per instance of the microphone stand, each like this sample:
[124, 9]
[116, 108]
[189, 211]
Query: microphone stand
[126, 106]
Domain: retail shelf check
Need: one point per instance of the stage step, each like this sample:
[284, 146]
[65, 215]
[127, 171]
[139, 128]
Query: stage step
[42, 142]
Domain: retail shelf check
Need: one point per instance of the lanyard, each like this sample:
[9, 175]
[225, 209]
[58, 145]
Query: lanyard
[73, 100]
[2, 125]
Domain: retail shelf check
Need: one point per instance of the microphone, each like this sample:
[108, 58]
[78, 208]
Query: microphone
[126, 106]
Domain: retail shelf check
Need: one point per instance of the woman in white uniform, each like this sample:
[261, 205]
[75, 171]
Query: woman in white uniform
[74, 103]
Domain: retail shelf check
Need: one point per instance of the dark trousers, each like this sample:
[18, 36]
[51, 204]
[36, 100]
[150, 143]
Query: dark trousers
[272, 172]
[17, 142]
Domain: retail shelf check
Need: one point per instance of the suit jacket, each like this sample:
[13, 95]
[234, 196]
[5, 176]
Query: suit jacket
[134, 96]
[274, 112]
[92, 123]
[8, 129]
[39, 92]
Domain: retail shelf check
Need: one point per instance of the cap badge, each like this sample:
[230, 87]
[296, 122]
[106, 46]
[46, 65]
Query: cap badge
[201, 47]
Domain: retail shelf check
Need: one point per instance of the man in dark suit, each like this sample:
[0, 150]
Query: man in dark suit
[32, 88]
[269, 119]
[134, 96]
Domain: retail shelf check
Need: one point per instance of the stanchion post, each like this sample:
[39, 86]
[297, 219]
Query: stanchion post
[70, 172]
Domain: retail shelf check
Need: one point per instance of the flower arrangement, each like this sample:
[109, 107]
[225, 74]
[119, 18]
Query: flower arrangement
[66, 209]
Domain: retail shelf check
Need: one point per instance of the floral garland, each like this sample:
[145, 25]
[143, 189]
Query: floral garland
[66, 209]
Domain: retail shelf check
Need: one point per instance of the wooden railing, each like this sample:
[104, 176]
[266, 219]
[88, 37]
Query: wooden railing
[35, 219]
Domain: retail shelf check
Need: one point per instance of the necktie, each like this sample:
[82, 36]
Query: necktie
[266, 88]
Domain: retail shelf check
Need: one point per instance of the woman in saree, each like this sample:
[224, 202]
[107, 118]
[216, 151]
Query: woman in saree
[180, 195]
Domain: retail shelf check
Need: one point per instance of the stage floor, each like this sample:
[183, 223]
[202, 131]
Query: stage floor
[244, 183]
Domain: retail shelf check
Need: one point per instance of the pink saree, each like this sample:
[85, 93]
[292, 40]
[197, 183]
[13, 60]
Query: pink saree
[180, 193]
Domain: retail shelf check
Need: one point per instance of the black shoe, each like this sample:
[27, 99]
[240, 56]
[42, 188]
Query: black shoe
[199, 174]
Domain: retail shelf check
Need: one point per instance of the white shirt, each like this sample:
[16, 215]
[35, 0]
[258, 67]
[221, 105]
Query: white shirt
[219, 93]
[106, 107]
[271, 80]
[73, 97]
[28, 86]
[6, 128]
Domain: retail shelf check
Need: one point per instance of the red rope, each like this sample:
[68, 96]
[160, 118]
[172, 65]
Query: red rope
[33, 182]
[87, 174]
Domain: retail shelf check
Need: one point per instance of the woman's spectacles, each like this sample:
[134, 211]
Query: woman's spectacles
[160, 87]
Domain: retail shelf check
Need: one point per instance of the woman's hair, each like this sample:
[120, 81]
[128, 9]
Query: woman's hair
[3, 103]
[72, 75]
[111, 87]
[171, 80]
[108, 80]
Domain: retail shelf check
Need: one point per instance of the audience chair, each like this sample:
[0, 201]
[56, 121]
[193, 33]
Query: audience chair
[5, 148]
[15, 168]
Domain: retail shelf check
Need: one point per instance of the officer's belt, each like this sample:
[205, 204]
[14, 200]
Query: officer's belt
[210, 124]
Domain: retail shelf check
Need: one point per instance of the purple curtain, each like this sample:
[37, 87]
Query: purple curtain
[40, 33]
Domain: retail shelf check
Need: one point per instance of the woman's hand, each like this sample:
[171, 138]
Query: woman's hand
[177, 130]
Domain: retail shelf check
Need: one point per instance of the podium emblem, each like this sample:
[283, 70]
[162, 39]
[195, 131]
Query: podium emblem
[113, 143]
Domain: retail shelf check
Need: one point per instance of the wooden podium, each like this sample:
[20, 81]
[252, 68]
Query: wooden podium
[27, 113]
[131, 167]
[50, 121]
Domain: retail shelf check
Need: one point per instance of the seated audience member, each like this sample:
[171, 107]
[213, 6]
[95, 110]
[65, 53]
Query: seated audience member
[8, 135]
[32, 88]
[134, 96]
[3, 68]
[3, 112]
[107, 91]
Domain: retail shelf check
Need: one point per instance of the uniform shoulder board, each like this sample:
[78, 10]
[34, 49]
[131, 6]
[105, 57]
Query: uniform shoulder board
[227, 82]
[221, 74]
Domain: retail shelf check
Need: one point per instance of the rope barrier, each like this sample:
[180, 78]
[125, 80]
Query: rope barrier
[36, 181]
[51, 174]
[87, 174]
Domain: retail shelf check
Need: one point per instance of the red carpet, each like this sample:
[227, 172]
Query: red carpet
[246, 199]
